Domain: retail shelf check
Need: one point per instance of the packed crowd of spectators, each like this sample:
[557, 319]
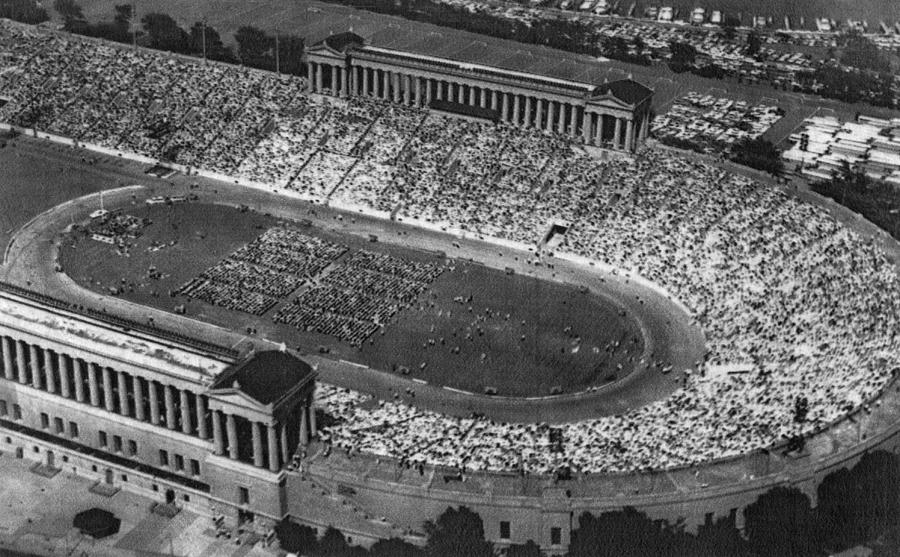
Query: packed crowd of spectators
[806, 306]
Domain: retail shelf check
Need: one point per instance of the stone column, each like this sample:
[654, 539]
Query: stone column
[365, 82]
[407, 89]
[345, 82]
[169, 399]
[629, 135]
[283, 443]
[123, 395]
[93, 386]
[218, 442]
[21, 371]
[63, 368]
[645, 125]
[138, 387]
[550, 121]
[461, 93]
[185, 412]
[586, 126]
[335, 85]
[395, 82]
[78, 370]
[504, 107]
[108, 400]
[617, 133]
[319, 78]
[515, 114]
[311, 77]
[272, 441]
[526, 122]
[472, 93]
[304, 426]
[153, 395]
[49, 372]
[561, 127]
[257, 444]
[35, 364]
[483, 98]
[428, 92]
[538, 112]
[6, 347]
[385, 85]
[417, 91]
[599, 138]
[494, 99]
[312, 417]
[232, 436]
[201, 417]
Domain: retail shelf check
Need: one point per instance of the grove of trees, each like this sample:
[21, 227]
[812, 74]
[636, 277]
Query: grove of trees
[855, 506]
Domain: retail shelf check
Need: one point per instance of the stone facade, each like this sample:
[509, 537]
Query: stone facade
[614, 115]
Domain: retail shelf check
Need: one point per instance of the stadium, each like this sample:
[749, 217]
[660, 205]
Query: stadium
[355, 312]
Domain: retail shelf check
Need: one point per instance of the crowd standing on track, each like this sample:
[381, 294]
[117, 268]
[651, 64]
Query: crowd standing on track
[806, 307]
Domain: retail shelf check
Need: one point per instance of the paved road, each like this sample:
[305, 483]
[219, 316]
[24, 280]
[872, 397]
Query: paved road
[670, 337]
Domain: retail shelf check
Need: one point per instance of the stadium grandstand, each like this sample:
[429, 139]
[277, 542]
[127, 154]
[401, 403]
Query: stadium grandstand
[800, 311]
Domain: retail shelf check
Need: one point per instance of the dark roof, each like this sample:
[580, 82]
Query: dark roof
[98, 523]
[267, 376]
[627, 90]
[344, 41]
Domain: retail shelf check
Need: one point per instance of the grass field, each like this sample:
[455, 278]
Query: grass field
[31, 183]
[555, 335]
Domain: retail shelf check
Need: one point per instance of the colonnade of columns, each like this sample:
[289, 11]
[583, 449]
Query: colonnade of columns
[553, 115]
[146, 400]
[271, 444]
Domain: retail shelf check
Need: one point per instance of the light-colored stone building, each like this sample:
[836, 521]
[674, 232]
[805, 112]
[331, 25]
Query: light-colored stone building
[613, 114]
[187, 423]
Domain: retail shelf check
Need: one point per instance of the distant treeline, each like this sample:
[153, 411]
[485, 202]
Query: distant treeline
[255, 47]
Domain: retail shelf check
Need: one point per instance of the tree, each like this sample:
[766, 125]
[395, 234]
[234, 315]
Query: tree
[754, 43]
[759, 154]
[683, 56]
[164, 33]
[73, 17]
[860, 52]
[296, 538]
[215, 50]
[255, 47]
[290, 54]
[528, 549]
[333, 544]
[628, 533]
[876, 200]
[394, 547]
[721, 538]
[26, 11]
[781, 522]
[457, 533]
[859, 504]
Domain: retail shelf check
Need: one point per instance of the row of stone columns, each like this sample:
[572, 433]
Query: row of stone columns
[276, 453]
[101, 386]
[618, 135]
[518, 109]
[139, 398]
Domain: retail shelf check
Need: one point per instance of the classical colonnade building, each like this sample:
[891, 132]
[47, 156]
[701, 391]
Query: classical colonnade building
[614, 114]
[191, 423]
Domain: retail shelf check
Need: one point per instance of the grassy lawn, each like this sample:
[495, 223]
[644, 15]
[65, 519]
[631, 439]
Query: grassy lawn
[525, 354]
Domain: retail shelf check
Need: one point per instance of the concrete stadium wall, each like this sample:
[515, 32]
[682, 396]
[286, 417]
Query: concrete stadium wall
[533, 517]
